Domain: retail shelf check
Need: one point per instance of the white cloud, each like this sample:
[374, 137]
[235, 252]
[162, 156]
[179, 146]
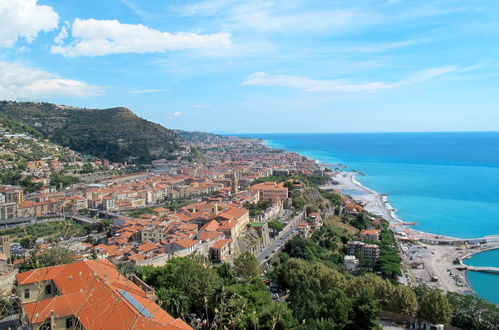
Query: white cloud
[63, 34]
[177, 114]
[307, 84]
[148, 91]
[202, 106]
[104, 37]
[338, 85]
[22, 82]
[24, 19]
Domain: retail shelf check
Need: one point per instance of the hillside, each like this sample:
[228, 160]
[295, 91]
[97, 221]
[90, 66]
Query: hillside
[116, 134]
[201, 137]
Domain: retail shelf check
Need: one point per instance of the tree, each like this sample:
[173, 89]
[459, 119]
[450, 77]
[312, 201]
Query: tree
[403, 301]
[336, 306]
[50, 257]
[277, 316]
[246, 265]
[298, 248]
[27, 242]
[191, 275]
[435, 307]
[6, 304]
[470, 312]
[226, 273]
[276, 225]
[365, 310]
[173, 300]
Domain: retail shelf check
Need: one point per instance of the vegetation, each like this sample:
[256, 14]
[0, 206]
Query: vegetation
[57, 179]
[115, 134]
[51, 257]
[276, 225]
[470, 312]
[247, 266]
[52, 230]
[258, 208]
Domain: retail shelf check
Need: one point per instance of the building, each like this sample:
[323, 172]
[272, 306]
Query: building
[271, 191]
[351, 262]
[366, 251]
[89, 295]
[304, 229]
[221, 250]
[372, 234]
[8, 211]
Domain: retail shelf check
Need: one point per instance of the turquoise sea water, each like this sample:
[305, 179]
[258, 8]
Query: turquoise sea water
[446, 182]
[486, 285]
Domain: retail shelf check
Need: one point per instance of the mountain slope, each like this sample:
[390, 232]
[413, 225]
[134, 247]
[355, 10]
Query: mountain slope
[116, 134]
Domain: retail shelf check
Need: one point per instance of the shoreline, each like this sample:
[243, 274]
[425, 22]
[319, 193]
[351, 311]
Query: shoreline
[438, 261]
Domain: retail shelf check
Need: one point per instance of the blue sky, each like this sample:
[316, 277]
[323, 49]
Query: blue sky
[261, 65]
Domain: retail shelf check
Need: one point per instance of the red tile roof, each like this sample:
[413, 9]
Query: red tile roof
[96, 294]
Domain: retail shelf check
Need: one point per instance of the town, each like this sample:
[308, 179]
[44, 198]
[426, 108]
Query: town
[239, 199]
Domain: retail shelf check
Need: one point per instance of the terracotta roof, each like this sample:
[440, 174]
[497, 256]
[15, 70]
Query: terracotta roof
[370, 232]
[99, 297]
[186, 242]
[147, 247]
[233, 213]
[209, 235]
[221, 243]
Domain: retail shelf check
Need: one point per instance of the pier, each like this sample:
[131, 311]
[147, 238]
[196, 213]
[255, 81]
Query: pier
[492, 270]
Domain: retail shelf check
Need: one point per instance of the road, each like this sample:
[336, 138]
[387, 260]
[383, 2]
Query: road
[276, 245]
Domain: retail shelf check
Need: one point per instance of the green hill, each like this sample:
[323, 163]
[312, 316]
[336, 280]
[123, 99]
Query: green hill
[116, 134]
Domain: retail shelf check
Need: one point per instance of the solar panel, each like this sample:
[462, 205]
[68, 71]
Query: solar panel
[138, 306]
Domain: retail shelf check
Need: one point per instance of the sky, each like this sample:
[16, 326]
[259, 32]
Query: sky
[262, 66]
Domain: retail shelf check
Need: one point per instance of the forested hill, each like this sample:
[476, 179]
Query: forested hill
[116, 134]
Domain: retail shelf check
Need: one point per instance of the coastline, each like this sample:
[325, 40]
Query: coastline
[438, 260]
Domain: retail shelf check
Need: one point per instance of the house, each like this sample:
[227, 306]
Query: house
[304, 229]
[185, 245]
[89, 294]
[221, 250]
[372, 234]
[351, 262]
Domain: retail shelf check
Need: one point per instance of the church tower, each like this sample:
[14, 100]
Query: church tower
[235, 184]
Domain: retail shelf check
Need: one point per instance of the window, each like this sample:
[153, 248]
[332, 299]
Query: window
[48, 289]
[26, 293]
[69, 323]
[45, 326]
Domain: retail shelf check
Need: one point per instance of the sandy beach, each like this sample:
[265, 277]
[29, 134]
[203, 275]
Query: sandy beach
[425, 264]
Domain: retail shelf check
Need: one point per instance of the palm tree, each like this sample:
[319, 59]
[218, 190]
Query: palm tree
[173, 300]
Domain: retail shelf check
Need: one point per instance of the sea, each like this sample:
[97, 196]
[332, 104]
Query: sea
[448, 183]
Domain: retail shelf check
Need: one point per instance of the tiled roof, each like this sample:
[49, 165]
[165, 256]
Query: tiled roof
[98, 296]
[221, 243]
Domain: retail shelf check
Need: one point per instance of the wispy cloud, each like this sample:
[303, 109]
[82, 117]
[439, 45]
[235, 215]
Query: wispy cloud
[103, 37]
[177, 114]
[201, 106]
[340, 85]
[271, 15]
[22, 82]
[148, 91]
